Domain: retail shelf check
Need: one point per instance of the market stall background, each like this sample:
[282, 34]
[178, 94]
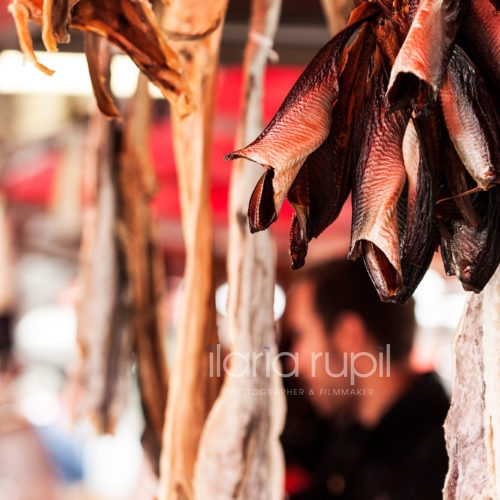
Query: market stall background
[42, 131]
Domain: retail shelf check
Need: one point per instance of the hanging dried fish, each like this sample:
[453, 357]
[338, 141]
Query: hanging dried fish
[479, 36]
[195, 30]
[240, 455]
[378, 182]
[136, 186]
[299, 127]
[457, 182]
[414, 90]
[472, 122]
[472, 424]
[472, 252]
[23, 12]
[56, 21]
[317, 203]
[135, 30]
[418, 234]
[119, 316]
[465, 423]
[422, 59]
[104, 334]
[104, 101]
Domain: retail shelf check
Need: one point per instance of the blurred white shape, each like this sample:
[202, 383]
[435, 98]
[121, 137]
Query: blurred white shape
[19, 77]
[279, 302]
[221, 299]
[431, 286]
[434, 306]
[48, 334]
[221, 295]
[112, 463]
[124, 75]
[71, 76]
[40, 408]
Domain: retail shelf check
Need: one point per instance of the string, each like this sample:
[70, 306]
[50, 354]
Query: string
[266, 42]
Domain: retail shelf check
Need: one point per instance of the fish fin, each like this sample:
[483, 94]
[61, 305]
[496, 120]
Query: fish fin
[137, 32]
[104, 101]
[261, 209]
[472, 253]
[298, 239]
[385, 277]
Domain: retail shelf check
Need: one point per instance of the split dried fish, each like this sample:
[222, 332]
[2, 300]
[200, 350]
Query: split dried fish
[479, 36]
[422, 59]
[135, 31]
[317, 203]
[303, 120]
[409, 125]
[472, 253]
[471, 119]
[379, 180]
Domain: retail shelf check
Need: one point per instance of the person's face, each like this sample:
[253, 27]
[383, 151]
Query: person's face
[311, 343]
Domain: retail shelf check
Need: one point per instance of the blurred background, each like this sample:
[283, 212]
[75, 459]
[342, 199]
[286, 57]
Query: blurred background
[43, 124]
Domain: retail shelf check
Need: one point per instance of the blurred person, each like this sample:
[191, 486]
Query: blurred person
[371, 427]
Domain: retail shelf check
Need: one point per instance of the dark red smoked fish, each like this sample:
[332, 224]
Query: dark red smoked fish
[472, 253]
[323, 183]
[378, 182]
[423, 57]
[414, 132]
[300, 127]
[479, 36]
[472, 121]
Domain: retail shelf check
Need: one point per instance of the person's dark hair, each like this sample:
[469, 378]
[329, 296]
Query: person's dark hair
[344, 285]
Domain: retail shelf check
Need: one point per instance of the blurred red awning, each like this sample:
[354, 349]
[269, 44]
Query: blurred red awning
[31, 183]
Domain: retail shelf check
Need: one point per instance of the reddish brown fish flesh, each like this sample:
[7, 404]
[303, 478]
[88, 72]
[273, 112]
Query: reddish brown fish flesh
[401, 110]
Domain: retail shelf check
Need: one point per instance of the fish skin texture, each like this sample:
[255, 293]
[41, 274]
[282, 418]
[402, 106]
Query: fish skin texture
[261, 213]
[303, 121]
[420, 238]
[378, 183]
[472, 122]
[479, 36]
[413, 133]
[324, 182]
[421, 62]
[473, 253]
[452, 201]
